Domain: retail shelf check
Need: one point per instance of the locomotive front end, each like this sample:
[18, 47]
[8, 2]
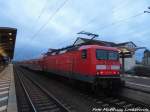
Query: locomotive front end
[107, 68]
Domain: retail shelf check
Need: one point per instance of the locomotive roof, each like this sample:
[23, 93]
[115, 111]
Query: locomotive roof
[98, 47]
[72, 48]
[100, 42]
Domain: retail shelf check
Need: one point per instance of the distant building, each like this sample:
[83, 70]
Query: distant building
[146, 58]
[129, 60]
[129, 45]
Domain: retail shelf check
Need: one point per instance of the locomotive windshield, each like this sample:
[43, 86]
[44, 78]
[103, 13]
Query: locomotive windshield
[106, 55]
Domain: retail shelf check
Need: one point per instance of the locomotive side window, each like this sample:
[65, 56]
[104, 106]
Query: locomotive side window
[84, 54]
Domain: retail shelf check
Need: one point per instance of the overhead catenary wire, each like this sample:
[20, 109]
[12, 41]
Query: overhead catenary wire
[106, 26]
[116, 22]
[42, 11]
[40, 14]
[92, 20]
[113, 23]
[121, 5]
[49, 19]
[116, 7]
[121, 21]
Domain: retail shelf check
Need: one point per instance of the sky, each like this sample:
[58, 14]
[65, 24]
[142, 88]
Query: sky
[44, 24]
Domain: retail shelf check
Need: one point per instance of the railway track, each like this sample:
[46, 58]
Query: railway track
[22, 100]
[107, 101]
[34, 97]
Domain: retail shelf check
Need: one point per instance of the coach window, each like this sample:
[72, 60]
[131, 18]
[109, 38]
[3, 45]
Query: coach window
[84, 54]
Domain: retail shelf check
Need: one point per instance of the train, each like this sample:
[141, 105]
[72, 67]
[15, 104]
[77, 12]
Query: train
[96, 65]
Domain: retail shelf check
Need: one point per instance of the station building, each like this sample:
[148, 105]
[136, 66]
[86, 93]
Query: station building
[7, 85]
[7, 44]
[127, 50]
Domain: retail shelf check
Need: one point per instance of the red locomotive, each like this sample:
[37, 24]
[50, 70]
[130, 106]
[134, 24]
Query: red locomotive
[98, 65]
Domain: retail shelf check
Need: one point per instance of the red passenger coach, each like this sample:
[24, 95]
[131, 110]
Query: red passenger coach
[34, 64]
[94, 64]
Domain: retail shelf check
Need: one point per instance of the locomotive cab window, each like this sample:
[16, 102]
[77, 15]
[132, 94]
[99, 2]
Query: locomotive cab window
[84, 54]
[106, 55]
[101, 54]
[113, 56]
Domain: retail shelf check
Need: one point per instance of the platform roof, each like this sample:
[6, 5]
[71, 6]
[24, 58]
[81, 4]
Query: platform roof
[7, 41]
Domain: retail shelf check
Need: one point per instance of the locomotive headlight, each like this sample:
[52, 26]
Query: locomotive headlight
[115, 67]
[100, 67]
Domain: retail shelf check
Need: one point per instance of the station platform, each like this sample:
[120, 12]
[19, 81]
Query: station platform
[137, 82]
[8, 101]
